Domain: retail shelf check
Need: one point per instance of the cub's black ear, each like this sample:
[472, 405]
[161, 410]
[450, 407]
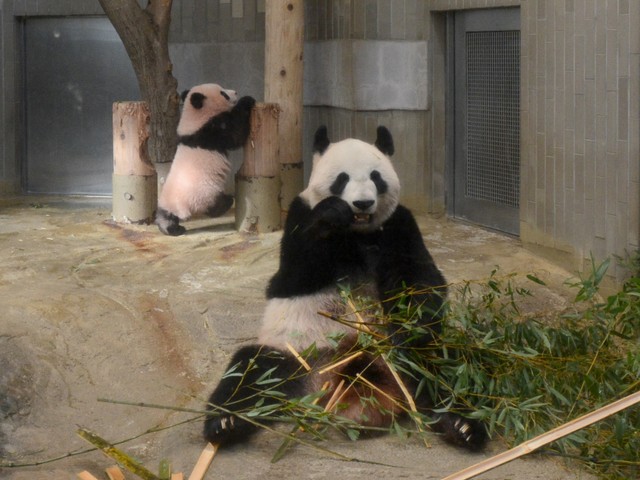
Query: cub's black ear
[384, 141]
[197, 100]
[184, 94]
[321, 140]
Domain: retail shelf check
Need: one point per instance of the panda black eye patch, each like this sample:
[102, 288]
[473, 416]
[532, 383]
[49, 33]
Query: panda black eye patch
[197, 100]
[225, 95]
[380, 184]
[337, 187]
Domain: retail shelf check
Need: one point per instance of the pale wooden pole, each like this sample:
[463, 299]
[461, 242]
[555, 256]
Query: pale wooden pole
[284, 41]
[258, 178]
[134, 177]
[548, 437]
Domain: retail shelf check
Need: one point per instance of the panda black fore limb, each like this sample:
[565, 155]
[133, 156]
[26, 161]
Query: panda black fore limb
[460, 431]
[251, 372]
[330, 215]
[168, 223]
[226, 131]
[407, 263]
[220, 206]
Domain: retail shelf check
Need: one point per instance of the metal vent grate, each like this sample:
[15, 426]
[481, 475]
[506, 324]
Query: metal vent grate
[493, 116]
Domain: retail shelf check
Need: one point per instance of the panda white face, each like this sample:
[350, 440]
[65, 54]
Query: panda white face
[360, 174]
[203, 102]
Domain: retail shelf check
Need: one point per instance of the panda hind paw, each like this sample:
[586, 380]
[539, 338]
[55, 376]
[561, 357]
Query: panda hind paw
[220, 206]
[226, 429]
[471, 434]
[463, 432]
[168, 223]
[176, 230]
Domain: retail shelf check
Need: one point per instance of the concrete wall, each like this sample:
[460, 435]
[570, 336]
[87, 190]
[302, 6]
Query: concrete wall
[367, 64]
[580, 124]
[373, 62]
[581, 127]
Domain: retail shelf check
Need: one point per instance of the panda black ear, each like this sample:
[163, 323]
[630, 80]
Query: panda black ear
[384, 141]
[321, 140]
[197, 100]
[183, 95]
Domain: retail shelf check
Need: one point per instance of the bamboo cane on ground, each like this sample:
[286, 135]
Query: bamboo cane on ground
[546, 438]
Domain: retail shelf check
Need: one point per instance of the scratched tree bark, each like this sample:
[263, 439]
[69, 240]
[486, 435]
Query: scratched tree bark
[145, 35]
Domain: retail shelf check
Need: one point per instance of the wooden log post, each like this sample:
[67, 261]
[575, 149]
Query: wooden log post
[258, 178]
[284, 41]
[135, 190]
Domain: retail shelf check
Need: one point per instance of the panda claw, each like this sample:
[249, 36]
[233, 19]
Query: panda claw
[460, 431]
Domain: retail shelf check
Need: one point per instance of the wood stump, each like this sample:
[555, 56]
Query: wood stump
[135, 190]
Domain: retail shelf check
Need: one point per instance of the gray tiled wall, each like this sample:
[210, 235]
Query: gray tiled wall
[581, 126]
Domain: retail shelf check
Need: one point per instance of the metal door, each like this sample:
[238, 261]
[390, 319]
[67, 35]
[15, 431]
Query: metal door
[75, 68]
[486, 170]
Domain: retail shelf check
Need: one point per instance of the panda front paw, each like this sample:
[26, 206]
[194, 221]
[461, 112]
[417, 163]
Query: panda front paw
[463, 432]
[332, 213]
[246, 103]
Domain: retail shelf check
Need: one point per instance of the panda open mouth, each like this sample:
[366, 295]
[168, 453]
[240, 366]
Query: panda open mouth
[361, 218]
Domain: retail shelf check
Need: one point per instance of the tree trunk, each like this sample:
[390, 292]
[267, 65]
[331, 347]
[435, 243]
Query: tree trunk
[284, 40]
[145, 35]
[135, 192]
[258, 179]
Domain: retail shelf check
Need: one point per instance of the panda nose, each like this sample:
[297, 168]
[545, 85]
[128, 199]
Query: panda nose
[362, 204]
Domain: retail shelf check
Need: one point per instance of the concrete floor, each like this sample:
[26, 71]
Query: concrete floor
[90, 310]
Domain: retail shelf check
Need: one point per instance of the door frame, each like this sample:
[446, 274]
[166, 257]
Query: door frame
[484, 19]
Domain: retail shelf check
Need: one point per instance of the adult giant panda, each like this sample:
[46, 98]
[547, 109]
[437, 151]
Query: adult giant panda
[213, 121]
[345, 229]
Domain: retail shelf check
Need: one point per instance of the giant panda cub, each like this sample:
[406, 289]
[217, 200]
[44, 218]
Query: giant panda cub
[213, 121]
[346, 229]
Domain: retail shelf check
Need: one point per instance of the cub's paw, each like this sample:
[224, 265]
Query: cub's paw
[246, 103]
[463, 432]
[174, 230]
[220, 206]
[168, 223]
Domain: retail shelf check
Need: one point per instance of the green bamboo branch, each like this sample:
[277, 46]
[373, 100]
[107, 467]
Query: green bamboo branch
[118, 455]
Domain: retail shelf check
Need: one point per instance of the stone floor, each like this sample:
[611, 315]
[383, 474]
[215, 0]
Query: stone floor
[93, 310]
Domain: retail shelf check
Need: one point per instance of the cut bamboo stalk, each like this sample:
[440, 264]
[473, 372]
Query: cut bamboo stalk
[85, 476]
[177, 476]
[202, 465]
[340, 362]
[295, 353]
[546, 438]
[407, 395]
[403, 387]
[114, 473]
[335, 397]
